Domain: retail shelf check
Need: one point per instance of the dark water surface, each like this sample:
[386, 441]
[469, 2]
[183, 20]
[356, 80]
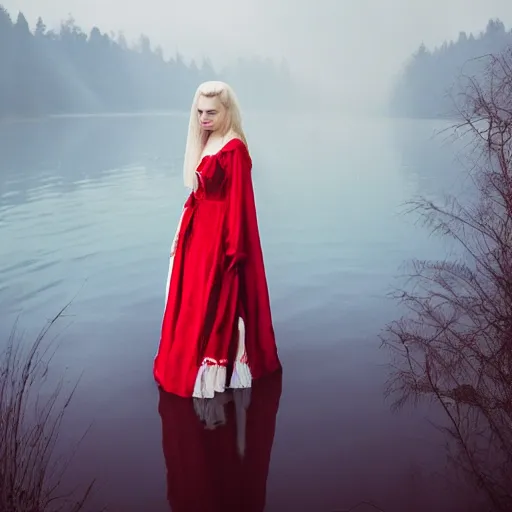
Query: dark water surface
[88, 208]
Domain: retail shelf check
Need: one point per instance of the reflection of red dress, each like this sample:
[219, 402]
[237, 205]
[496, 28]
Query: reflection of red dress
[205, 472]
[218, 310]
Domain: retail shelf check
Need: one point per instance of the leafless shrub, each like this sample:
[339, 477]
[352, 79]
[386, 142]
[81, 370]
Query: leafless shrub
[30, 473]
[454, 344]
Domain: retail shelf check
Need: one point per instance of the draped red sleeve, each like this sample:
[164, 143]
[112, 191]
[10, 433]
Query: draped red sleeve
[244, 261]
[241, 208]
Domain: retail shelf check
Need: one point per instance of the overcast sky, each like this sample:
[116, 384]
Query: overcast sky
[350, 48]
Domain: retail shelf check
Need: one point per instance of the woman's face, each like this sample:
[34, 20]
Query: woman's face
[211, 113]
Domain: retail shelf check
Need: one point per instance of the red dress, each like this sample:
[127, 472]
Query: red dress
[217, 318]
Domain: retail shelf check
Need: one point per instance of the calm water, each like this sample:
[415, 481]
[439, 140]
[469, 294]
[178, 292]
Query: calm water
[88, 208]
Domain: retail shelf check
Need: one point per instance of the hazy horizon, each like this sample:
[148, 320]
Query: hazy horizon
[347, 53]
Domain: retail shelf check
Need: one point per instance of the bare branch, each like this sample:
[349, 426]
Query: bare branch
[454, 345]
[30, 474]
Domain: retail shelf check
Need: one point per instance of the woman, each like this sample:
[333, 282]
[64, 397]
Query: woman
[217, 328]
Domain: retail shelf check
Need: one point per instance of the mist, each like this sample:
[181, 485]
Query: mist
[347, 120]
[341, 54]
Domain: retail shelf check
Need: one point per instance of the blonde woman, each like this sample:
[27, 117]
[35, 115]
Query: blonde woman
[217, 330]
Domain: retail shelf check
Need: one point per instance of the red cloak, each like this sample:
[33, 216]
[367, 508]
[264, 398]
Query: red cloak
[206, 471]
[217, 278]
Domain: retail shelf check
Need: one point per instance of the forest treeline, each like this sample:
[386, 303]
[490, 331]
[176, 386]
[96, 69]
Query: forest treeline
[426, 85]
[68, 71]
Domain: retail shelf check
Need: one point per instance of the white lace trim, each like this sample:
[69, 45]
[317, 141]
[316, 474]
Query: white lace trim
[211, 377]
[210, 396]
[241, 376]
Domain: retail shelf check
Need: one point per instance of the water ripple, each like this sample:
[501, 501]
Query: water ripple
[89, 213]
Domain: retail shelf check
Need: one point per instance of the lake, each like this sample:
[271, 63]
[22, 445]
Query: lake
[88, 209]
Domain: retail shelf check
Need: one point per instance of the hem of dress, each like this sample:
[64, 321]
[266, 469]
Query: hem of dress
[212, 375]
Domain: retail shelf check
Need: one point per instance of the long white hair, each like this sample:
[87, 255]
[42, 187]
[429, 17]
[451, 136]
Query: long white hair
[197, 137]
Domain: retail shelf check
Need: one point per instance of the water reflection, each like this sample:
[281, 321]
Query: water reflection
[95, 201]
[477, 402]
[454, 345]
[68, 154]
[33, 408]
[217, 452]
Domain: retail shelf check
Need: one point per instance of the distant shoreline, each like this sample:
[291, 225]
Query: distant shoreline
[86, 115]
[186, 112]
[83, 115]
